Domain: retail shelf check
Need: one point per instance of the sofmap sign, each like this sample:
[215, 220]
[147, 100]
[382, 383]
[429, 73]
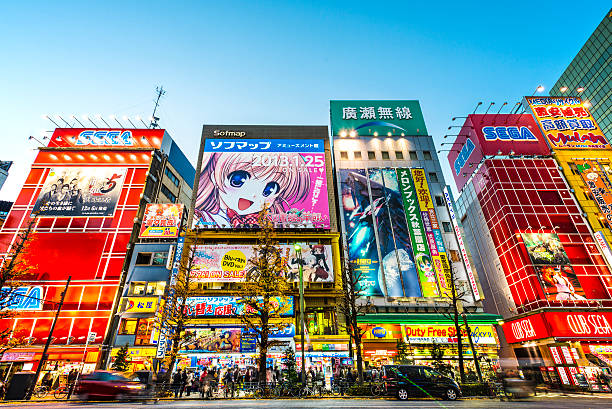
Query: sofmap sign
[377, 118]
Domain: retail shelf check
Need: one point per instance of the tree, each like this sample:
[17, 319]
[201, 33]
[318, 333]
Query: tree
[403, 352]
[171, 320]
[122, 360]
[291, 364]
[14, 267]
[352, 307]
[265, 291]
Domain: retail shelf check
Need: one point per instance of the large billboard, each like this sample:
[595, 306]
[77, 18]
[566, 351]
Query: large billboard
[225, 340]
[374, 118]
[545, 248]
[80, 192]
[115, 138]
[567, 123]
[199, 307]
[238, 177]
[230, 262]
[596, 180]
[161, 220]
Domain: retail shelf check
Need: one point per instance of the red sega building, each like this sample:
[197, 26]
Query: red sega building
[86, 187]
[538, 262]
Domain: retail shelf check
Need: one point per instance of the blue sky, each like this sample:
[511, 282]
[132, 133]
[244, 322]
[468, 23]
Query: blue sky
[272, 62]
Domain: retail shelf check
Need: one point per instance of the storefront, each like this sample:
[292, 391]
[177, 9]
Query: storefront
[429, 339]
[570, 349]
[141, 359]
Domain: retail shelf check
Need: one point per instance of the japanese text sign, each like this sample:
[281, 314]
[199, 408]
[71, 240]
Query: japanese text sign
[595, 179]
[161, 220]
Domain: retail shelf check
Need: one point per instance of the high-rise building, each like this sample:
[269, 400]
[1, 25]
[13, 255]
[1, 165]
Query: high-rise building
[401, 237]
[86, 194]
[4, 169]
[589, 75]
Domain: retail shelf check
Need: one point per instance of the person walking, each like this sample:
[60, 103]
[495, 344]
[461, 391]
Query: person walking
[189, 383]
[176, 383]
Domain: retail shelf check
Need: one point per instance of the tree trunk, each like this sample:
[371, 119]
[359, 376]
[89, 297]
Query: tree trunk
[460, 347]
[357, 338]
[263, 346]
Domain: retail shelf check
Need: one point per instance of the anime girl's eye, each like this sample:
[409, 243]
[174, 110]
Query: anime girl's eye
[238, 177]
[271, 187]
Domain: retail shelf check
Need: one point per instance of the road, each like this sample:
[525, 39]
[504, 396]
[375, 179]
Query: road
[544, 402]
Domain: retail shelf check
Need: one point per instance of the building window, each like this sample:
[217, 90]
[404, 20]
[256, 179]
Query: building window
[357, 154]
[159, 259]
[128, 327]
[156, 288]
[371, 155]
[426, 155]
[143, 331]
[447, 227]
[171, 176]
[143, 259]
[137, 288]
[385, 155]
[152, 259]
[433, 177]
[343, 155]
[439, 201]
[413, 155]
[399, 155]
[168, 193]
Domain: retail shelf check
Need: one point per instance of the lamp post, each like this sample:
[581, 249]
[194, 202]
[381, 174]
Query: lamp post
[298, 253]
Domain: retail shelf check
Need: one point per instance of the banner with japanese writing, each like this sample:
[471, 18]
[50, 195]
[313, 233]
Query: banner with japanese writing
[596, 180]
[432, 230]
[359, 228]
[422, 255]
[198, 307]
[373, 118]
[80, 192]
[238, 177]
[567, 123]
[161, 220]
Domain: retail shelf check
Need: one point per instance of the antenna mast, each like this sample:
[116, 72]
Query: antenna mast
[160, 92]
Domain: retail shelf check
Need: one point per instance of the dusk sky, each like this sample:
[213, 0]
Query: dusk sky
[272, 62]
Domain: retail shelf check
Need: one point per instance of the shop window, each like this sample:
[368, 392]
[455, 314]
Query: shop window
[137, 288]
[343, 155]
[143, 259]
[321, 322]
[127, 327]
[385, 155]
[143, 331]
[447, 227]
[399, 155]
[433, 177]
[156, 288]
[413, 155]
[357, 155]
[371, 155]
[426, 155]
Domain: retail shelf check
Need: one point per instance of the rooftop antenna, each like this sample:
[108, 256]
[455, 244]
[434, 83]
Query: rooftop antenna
[160, 92]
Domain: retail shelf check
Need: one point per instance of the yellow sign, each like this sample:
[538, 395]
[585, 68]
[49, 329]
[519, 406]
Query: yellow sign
[233, 260]
[141, 304]
[132, 352]
[447, 334]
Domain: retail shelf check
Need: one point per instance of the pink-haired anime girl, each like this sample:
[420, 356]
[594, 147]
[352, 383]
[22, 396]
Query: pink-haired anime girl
[235, 186]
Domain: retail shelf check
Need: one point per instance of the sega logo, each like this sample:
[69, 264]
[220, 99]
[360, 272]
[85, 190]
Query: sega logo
[463, 156]
[111, 138]
[508, 133]
[379, 332]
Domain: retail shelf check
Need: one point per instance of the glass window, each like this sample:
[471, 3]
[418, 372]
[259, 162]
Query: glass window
[137, 288]
[168, 193]
[127, 327]
[156, 288]
[399, 155]
[159, 259]
[143, 259]
[447, 227]
[439, 201]
[430, 373]
[433, 177]
[371, 155]
[413, 155]
[143, 332]
[343, 155]
[357, 154]
[171, 176]
[385, 155]
[427, 155]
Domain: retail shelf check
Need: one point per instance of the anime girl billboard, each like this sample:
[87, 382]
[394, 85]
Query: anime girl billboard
[238, 177]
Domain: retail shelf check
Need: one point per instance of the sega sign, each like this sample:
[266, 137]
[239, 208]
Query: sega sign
[23, 298]
[508, 133]
[464, 155]
[105, 138]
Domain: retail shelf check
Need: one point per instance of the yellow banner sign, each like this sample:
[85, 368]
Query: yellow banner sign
[141, 304]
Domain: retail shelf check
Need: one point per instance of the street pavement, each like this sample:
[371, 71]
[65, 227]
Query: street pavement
[556, 401]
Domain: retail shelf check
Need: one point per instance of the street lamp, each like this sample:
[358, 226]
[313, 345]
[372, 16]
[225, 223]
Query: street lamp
[298, 253]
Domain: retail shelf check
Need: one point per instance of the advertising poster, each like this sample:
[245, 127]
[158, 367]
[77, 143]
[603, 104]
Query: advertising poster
[567, 123]
[560, 283]
[447, 334]
[432, 230]
[357, 214]
[198, 307]
[161, 220]
[595, 179]
[545, 248]
[80, 192]
[225, 340]
[238, 177]
[425, 269]
[226, 263]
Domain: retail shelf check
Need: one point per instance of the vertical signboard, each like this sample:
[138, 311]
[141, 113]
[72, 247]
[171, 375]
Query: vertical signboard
[595, 179]
[425, 269]
[359, 226]
[432, 230]
[464, 256]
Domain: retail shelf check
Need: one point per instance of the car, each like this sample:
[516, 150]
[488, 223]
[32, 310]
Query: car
[108, 385]
[404, 381]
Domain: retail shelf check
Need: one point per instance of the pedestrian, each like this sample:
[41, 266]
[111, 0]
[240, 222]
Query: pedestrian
[188, 383]
[176, 383]
[183, 383]
[72, 377]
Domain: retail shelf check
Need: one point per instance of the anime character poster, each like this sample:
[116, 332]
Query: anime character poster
[80, 192]
[545, 248]
[198, 307]
[161, 220]
[238, 177]
[560, 283]
[316, 260]
[212, 340]
[357, 212]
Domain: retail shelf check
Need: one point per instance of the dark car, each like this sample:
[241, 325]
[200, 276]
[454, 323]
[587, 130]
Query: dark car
[413, 380]
[108, 385]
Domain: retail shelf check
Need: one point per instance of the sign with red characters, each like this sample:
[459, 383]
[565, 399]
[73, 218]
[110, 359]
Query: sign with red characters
[526, 329]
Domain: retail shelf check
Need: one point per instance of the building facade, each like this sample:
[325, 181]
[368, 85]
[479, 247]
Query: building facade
[400, 235]
[86, 194]
[588, 75]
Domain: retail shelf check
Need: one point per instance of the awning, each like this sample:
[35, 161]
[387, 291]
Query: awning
[416, 318]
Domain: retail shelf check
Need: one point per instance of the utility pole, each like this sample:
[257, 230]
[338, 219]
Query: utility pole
[43, 358]
[160, 92]
[298, 251]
